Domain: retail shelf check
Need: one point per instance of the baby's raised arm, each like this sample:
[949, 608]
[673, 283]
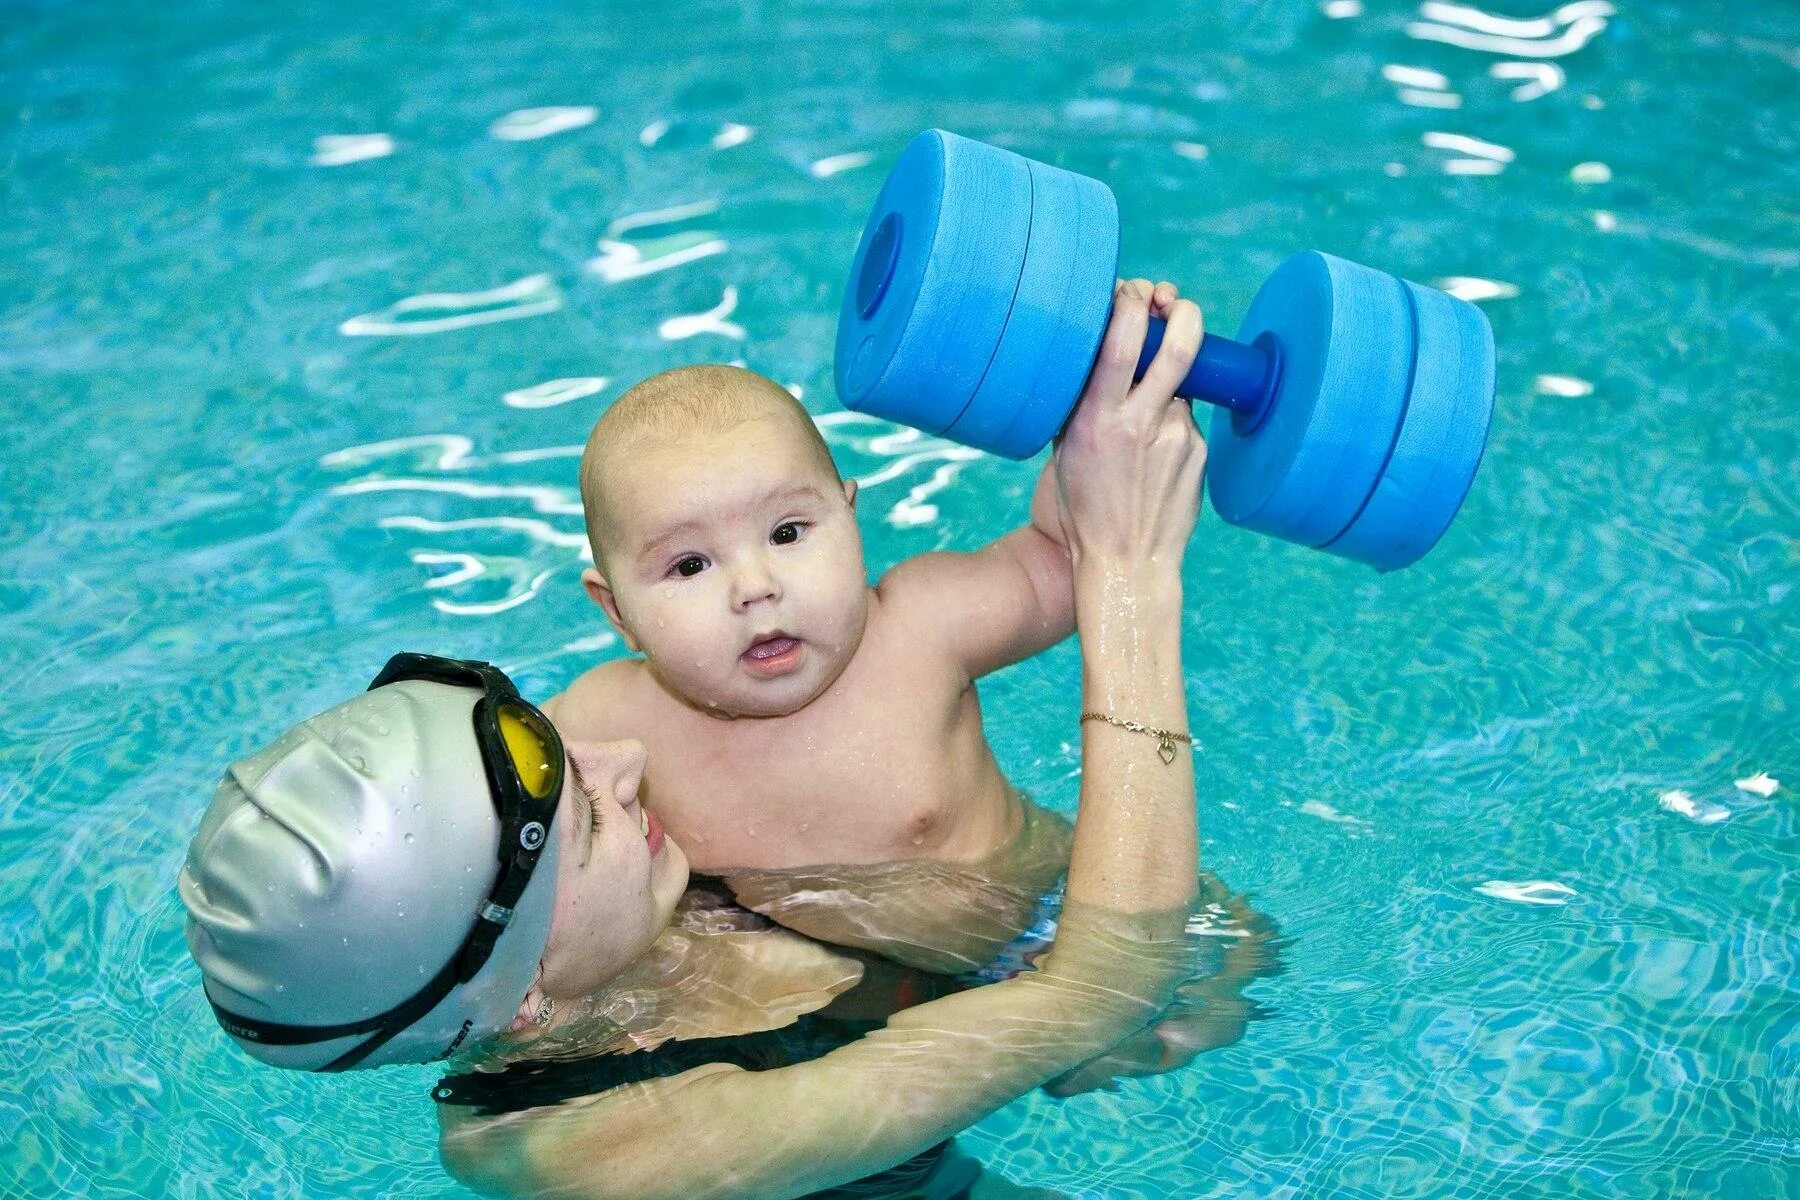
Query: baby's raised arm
[1015, 596]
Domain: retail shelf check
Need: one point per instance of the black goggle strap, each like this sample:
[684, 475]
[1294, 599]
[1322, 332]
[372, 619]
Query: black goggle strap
[384, 1025]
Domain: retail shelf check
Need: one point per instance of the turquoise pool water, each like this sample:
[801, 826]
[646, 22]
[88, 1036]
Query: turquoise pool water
[1543, 942]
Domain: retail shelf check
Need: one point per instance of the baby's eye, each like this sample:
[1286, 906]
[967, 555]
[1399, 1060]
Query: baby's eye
[689, 565]
[787, 533]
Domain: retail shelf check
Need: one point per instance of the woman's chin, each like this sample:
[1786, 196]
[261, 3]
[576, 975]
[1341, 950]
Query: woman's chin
[670, 876]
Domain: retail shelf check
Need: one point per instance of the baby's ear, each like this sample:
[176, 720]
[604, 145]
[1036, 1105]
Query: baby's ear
[601, 593]
[850, 493]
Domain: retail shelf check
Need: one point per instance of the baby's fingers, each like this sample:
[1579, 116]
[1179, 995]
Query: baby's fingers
[1163, 298]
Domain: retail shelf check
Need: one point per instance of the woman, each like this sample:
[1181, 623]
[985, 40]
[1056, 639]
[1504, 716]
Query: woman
[330, 887]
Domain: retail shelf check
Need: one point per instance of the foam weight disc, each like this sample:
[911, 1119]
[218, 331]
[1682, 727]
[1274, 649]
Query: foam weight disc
[1344, 334]
[1058, 316]
[1441, 440]
[933, 281]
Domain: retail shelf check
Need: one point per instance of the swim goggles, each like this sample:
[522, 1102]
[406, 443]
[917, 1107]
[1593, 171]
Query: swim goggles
[523, 757]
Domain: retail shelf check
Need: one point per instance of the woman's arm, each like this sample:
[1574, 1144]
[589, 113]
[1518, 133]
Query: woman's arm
[1129, 474]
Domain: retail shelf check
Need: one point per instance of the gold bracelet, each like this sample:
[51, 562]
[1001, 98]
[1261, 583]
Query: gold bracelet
[1165, 738]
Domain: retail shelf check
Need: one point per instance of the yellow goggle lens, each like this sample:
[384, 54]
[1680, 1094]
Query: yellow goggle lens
[529, 750]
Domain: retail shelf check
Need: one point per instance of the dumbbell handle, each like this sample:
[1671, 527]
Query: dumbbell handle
[1230, 374]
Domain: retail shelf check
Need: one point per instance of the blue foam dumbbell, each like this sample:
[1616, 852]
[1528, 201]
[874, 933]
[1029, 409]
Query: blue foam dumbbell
[1353, 405]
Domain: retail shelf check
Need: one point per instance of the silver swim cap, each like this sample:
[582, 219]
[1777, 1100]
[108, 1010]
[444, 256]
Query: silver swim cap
[340, 870]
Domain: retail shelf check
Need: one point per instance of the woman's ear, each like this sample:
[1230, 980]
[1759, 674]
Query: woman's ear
[534, 1003]
[601, 593]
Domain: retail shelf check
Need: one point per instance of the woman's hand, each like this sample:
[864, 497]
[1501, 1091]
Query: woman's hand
[1130, 460]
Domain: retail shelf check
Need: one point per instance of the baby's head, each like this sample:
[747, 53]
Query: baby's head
[725, 543]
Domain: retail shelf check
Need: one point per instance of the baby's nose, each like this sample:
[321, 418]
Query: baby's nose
[754, 583]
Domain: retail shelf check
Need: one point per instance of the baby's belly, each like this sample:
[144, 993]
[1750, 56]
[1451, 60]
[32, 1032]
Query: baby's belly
[940, 915]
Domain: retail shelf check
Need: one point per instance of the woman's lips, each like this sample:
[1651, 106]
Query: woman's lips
[774, 656]
[653, 837]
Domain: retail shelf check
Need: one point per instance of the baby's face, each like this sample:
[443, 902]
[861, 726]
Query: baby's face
[736, 567]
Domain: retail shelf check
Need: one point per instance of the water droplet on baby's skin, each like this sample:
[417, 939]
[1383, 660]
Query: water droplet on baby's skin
[417, 807]
[414, 772]
[357, 763]
[409, 839]
[919, 840]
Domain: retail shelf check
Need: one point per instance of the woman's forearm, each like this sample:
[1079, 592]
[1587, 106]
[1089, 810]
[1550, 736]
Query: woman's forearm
[1135, 839]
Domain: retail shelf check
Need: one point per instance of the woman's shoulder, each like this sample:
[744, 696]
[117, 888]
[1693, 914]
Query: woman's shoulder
[723, 985]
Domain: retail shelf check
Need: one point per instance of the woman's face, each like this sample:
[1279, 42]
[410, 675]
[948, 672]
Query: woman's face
[618, 879]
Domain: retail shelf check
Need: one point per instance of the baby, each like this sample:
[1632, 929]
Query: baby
[816, 742]
[795, 716]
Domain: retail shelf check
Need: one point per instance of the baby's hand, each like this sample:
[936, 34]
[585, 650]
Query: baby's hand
[1130, 460]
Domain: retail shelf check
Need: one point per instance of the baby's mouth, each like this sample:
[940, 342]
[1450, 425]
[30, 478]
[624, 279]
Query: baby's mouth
[774, 654]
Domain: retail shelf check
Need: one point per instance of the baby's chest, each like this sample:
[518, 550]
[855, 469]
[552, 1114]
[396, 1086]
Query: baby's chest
[870, 803]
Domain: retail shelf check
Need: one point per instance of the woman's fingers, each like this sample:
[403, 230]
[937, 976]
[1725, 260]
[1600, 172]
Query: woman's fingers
[1180, 344]
[1116, 364]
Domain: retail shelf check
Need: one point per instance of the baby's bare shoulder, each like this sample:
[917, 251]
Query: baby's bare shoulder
[599, 697]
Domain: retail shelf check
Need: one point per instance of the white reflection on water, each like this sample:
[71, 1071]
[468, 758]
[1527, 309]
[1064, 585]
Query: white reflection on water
[1700, 812]
[339, 149]
[711, 321]
[1528, 891]
[1465, 144]
[1591, 172]
[1563, 32]
[1423, 99]
[439, 312]
[732, 134]
[1414, 77]
[1564, 385]
[553, 392]
[519, 531]
[620, 260]
[541, 498]
[1540, 78]
[529, 124]
[1477, 157]
[1475, 288]
[911, 451]
[837, 164]
[1760, 784]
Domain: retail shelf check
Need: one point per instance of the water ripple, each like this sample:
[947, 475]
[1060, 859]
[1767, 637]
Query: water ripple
[440, 312]
[337, 150]
[1564, 32]
[529, 124]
